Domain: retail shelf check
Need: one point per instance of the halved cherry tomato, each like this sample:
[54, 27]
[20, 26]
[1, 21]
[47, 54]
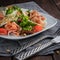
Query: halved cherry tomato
[37, 28]
[3, 31]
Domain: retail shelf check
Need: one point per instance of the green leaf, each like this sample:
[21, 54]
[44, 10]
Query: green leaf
[12, 9]
[26, 24]
[9, 11]
[31, 23]
[24, 20]
[28, 28]
[17, 8]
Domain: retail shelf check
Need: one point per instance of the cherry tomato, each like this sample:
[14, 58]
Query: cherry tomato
[3, 31]
[37, 28]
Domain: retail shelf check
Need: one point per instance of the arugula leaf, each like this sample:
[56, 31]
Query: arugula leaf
[30, 23]
[24, 20]
[26, 24]
[17, 8]
[9, 11]
[12, 9]
[28, 28]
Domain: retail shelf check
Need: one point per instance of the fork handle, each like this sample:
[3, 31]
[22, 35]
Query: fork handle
[27, 54]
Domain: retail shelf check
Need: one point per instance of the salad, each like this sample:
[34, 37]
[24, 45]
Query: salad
[17, 21]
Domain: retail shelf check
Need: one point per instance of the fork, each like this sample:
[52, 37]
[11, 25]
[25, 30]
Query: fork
[27, 54]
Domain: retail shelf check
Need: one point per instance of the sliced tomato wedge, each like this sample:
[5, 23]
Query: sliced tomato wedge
[3, 31]
[37, 28]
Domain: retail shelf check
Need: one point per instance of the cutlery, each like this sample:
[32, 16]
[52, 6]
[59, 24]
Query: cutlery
[27, 54]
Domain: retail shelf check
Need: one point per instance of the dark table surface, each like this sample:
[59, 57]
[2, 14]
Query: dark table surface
[53, 8]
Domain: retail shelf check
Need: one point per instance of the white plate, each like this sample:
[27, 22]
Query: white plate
[51, 22]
